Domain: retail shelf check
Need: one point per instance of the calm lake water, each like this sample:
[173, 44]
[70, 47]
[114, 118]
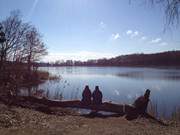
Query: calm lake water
[118, 84]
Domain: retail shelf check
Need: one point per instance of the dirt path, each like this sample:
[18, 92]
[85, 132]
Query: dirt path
[19, 121]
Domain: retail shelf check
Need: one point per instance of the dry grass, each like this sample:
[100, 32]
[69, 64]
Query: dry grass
[176, 114]
[33, 122]
[153, 110]
[44, 75]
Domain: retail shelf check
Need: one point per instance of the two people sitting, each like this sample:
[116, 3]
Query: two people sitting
[89, 98]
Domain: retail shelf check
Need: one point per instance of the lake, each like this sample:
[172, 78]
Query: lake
[118, 84]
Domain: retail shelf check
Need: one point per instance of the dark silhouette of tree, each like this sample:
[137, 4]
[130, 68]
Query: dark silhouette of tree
[14, 30]
[34, 48]
[171, 10]
[22, 40]
[2, 40]
[21, 46]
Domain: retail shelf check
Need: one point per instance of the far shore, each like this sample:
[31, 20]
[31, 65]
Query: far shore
[156, 67]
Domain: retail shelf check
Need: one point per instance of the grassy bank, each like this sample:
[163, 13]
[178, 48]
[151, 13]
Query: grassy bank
[14, 81]
[19, 121]
[44, 75]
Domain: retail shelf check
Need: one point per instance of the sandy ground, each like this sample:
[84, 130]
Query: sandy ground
[19, 121]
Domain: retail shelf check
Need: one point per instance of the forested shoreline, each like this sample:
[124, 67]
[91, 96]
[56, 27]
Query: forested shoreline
[166, 59]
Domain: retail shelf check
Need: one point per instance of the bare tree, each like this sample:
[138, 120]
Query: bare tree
[20, 43]
[23, 42]
[34, 48]
[171, 10]
[14, 30]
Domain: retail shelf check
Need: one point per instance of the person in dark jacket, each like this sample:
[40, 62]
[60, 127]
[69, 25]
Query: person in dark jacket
[97, 96]
[141, 103]
[86, 96]
[140, 106]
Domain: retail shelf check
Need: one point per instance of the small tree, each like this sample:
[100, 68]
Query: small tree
[34, 48]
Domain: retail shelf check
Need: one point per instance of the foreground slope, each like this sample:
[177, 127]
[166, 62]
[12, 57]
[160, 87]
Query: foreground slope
[19, 121]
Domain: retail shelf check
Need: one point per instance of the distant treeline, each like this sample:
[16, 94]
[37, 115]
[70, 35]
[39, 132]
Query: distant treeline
[170, 58]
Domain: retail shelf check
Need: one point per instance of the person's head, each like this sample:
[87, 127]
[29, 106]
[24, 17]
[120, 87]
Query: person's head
[97, 88]
[86, 87]
[147, 93]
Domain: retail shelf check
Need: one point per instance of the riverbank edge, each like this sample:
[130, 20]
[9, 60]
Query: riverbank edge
[20, 121]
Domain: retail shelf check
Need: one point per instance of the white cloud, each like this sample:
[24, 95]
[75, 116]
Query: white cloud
[115, 36]
[129, 32]
[132, 33]
[82, 55]
[158, 41]
[163, 43]
[155, 41]
[143, 38]
[136, 33]
[102, 25]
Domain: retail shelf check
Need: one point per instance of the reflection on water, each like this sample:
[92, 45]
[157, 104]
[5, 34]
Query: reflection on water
[118, 84]
[165, 75]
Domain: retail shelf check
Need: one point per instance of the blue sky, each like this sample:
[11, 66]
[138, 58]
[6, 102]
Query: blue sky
[89, 29]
